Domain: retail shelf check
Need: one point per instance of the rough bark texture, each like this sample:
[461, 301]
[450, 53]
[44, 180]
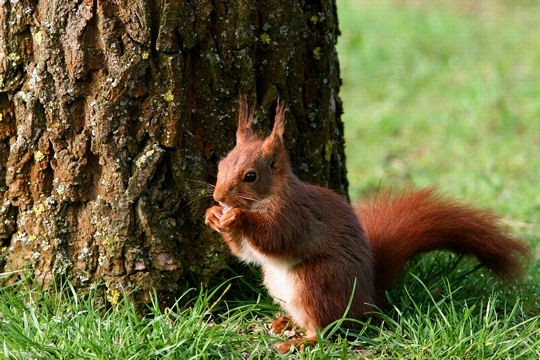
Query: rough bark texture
[113, 114]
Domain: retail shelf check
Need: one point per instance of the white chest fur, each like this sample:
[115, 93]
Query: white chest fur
[278, 277]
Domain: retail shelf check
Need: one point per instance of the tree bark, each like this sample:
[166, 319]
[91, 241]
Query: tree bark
[114, 114]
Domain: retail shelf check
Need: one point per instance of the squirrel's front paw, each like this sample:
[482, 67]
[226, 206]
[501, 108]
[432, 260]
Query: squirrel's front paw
[230, 219]
[212, 217]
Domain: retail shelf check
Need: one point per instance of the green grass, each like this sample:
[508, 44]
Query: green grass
[435, 94]
[445, 318]
[60, 324]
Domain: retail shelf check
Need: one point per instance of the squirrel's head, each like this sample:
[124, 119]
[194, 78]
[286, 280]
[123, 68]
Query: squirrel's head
[254, 168]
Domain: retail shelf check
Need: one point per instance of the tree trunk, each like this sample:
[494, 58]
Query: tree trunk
[114, 114]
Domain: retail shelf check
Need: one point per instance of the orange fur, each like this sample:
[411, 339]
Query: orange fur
[316, 251]
[415, 222]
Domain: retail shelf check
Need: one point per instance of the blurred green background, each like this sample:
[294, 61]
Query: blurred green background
[445, 93]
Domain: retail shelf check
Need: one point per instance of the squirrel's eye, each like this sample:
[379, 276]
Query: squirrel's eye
[250, 176]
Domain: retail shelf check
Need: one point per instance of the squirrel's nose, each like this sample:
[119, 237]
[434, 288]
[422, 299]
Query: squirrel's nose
[218, 198]
[222, 193]
[219, 194]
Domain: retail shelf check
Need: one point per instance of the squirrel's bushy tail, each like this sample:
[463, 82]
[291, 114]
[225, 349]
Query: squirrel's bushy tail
[414, 222]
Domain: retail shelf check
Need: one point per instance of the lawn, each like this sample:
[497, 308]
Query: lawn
[444, 94]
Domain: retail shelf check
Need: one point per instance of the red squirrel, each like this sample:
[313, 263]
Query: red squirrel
[315, 249]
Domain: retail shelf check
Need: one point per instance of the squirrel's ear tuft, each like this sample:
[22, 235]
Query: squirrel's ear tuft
[245, 119]
[279, 120]
[274, 142]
